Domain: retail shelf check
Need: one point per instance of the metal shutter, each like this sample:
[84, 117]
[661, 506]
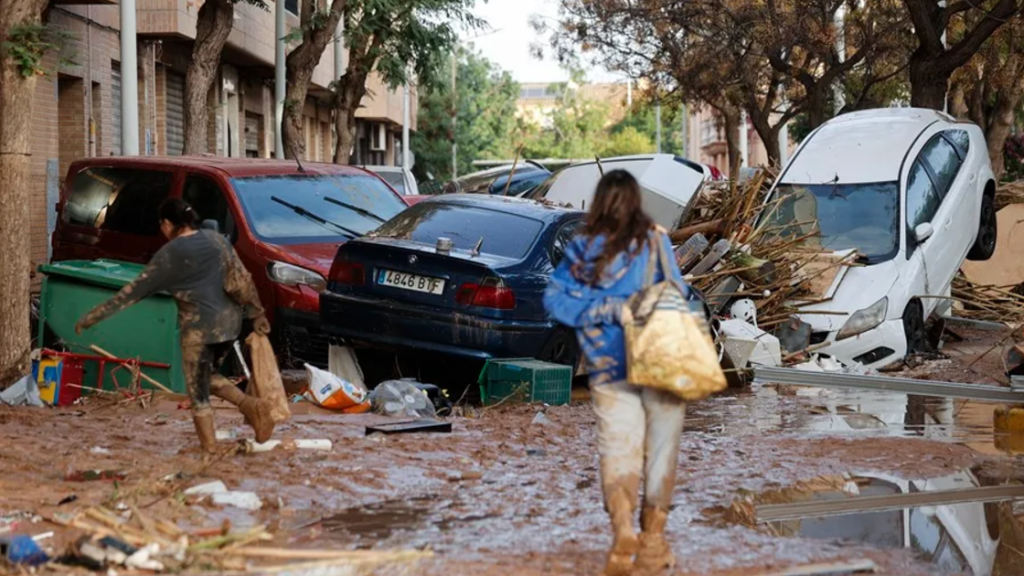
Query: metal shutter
[252, 135]
[115, 99]
[175, 113]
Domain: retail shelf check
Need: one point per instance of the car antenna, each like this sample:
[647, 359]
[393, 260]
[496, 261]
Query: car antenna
[600, 168]
[476, 249]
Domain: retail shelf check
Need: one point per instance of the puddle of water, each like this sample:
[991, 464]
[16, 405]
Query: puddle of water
[957, 539]
[855, 412]
[367, 526]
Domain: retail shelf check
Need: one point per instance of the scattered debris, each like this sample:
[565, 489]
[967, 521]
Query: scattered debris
[22, 549]
[94, 475]
[541, 420]
[409, 427]
[266, 379]
[764, 348]
[334, 393]
[322, 444]
[402, 399]
[24, 392]
[243, 500]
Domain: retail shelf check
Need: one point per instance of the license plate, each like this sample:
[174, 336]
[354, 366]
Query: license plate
[412, 282]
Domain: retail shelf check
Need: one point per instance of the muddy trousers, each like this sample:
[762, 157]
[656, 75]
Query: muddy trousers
[201, 365]
[638, 433]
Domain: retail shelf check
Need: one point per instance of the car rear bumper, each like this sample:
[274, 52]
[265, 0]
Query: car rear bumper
[875, 348]
[374, 322]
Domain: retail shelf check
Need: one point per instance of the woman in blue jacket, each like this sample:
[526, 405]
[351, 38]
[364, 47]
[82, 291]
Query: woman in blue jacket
[638, 428]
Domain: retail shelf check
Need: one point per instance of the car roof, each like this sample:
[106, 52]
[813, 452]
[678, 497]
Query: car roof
[230, 167]
[382, 168]
[696, 166]
[529, 208]
[861, 147]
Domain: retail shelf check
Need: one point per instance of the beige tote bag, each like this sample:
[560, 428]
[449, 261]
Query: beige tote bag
[668, 346]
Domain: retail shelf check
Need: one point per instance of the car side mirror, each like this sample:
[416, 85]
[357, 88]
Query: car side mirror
[923, 232]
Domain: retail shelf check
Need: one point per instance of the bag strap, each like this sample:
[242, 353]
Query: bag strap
[652, 265]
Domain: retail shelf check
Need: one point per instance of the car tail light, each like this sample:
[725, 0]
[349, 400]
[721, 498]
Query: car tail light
[491, 293]
[344, 271]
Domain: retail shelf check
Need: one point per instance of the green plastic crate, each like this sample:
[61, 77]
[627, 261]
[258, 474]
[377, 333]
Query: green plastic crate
[527, 379]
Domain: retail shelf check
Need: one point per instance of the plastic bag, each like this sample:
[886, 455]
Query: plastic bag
[334, 393]
[266, 378]
[401, 398]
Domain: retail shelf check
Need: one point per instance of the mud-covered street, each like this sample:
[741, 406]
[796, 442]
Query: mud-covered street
[506, 494]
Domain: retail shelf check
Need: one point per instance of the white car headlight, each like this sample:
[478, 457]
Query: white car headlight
[294, 276]
[864, 320]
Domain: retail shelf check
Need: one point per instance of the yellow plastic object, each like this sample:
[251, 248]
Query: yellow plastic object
[48, 388]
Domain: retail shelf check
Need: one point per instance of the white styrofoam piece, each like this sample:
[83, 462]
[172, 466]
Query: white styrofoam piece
[767, 350]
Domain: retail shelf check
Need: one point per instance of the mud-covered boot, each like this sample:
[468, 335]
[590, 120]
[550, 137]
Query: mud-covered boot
[625, 543]
[256, 412]
[655, 554]
[206, 431]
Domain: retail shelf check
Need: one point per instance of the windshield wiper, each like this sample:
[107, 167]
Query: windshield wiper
[318, 219]
[356, 209]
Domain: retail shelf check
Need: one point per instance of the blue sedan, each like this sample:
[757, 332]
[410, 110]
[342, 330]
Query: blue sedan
[458, 274]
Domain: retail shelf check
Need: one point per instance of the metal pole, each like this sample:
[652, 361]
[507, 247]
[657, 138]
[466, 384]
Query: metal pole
[838, 95]
[339, 49]
[279, 77]
[744, 140]
[406, 154]
[783, 145]
[657, 129]
[455, 113]
[129, 81]
[684, 138]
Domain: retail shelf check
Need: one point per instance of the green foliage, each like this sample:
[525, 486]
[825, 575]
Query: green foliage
[574, 128]
[626, 142]
[643, 119]
[28, 44]
[486, 107]
[402, 36]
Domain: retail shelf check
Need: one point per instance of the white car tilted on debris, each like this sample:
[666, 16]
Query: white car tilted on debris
[913, 192]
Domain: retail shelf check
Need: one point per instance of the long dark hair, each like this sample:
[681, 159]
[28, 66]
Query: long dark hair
[617, 214]
[178, 213]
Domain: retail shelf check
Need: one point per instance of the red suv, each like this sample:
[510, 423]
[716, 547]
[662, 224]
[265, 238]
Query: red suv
[285, 223]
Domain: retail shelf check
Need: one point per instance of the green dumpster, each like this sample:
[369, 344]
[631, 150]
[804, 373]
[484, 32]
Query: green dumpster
[147, 331]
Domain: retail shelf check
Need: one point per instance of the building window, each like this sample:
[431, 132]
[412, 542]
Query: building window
[292, 6]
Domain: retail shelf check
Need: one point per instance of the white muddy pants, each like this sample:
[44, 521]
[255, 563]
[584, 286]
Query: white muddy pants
[638, 432]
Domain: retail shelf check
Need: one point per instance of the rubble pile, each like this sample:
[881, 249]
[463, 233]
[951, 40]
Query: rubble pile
[982, 302]
[747, 269]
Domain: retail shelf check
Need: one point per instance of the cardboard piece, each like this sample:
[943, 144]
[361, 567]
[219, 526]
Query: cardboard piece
[1006, 267]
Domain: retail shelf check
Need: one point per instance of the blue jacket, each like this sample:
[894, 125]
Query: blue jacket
[594, 310]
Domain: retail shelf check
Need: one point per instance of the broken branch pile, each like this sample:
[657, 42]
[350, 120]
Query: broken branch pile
[137, 542]
[728, 250]
[1009, 193]
[993, 303]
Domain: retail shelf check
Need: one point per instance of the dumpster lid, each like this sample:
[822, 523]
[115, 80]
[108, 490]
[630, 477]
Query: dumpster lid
[111, 273]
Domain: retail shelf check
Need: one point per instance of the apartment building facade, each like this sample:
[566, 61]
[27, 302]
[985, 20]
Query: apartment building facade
[77, 111]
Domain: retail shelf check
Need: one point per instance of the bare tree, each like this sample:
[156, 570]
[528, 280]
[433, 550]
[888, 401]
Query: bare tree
[775, 59]
[214, 22]
[988, 89]
[933, 62]
[317, 30]
[21, 54]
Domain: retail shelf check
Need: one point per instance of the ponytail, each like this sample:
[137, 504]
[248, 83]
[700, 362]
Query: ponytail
[178, 213]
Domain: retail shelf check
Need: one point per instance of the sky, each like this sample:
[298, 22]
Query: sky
[507, 41]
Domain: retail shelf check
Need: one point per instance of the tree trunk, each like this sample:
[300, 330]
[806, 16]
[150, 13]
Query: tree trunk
[301, 63]
[769, 134]
[928, 84]
[213, 26]
[731, 118]
[345, 118]
[16, 96]
[998, 130]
